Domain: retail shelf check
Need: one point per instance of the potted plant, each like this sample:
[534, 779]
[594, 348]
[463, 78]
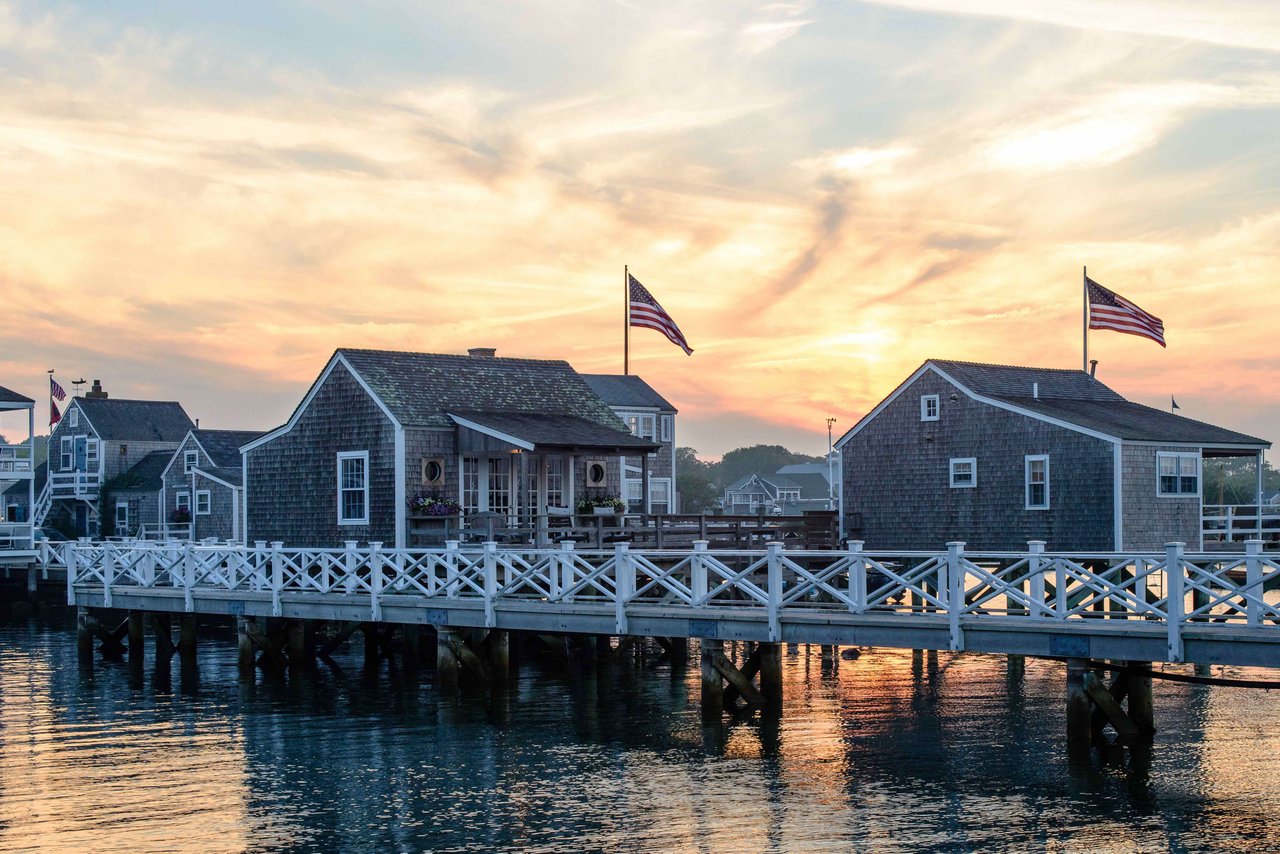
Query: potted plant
[180, 516]
[607, 505]
[423, 504]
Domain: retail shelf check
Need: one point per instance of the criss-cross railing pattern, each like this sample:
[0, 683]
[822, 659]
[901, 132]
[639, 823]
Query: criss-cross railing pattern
[1171, 587]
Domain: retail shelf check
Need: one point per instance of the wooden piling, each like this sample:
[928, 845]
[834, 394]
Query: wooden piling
[372, 653]
[447, 664]
[136, 637]
[409, 645]
[187, 640]
[771, 675]
[1141, 706]
[1079, 713]
[498, 648]
[1017, 666]
[162, 634]
[712, 682]
[246, 658]
[84, 637]
[297, 634]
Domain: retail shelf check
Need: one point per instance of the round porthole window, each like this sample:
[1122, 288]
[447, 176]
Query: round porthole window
[432, 471]
[595, 474]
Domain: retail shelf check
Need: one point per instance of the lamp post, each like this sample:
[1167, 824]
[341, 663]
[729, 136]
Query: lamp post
[831, 477]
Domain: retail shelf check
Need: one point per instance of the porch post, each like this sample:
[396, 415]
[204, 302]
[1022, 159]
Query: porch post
[644, 482]
[1261, 462]
[573, 498]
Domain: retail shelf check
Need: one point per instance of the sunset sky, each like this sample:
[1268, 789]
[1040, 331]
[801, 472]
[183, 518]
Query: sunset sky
[201, 201]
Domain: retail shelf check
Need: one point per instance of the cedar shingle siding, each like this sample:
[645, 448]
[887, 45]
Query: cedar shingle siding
[293, 479]
[897, 478]
[1150, 520]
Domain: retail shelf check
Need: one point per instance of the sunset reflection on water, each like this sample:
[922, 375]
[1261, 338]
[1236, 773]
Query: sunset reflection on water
[883, 752]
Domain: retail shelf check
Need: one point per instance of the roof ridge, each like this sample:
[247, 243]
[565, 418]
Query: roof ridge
[1013, 367]
[476, 359]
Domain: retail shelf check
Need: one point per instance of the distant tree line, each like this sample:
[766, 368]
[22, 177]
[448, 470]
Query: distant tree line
[701, 483]
[1234, 480]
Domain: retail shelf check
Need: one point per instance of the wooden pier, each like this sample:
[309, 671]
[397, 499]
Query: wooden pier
[1096, 611]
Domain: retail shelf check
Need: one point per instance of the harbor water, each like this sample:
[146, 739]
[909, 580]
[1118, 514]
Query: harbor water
[889, 751]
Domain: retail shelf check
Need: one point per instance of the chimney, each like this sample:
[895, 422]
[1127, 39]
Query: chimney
[96, 392]
[482, 352]
[1093, 368]
[1035, 390]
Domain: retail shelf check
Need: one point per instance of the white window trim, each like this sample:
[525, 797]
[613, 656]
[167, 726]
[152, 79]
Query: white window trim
[208, 497]
[353, 455]
[925, 400]
[181, 500]
[122, 503]
[74, 417]
[1179, 456]
[67, 459]
[190, 459]
[973, 463]
[666, 428]
[1026, 481]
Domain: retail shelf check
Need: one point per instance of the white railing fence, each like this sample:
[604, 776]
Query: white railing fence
[1172, 588]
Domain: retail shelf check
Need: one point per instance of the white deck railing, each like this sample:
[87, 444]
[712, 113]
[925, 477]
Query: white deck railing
[74, 484]
[15, 461]
[1237, 523]
[16, 537]
[1171, 588]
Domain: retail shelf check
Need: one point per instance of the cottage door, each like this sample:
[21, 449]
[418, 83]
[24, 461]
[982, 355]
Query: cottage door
[82, 453]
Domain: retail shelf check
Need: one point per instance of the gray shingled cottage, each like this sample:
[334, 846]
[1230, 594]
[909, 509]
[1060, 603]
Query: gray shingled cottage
[997, 455]
[650, 416]
[512, 438]
[203, 485]
[98, 439]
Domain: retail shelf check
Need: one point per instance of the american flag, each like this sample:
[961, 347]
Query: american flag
[1109, 310]
[646, 312]
[56, 391]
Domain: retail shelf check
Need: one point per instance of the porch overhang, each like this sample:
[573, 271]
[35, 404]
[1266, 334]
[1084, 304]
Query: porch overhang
[510, 432]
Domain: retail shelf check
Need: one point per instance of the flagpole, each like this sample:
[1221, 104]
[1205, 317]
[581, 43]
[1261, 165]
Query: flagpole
[1084, 316]
[626, 322]
[51, 401]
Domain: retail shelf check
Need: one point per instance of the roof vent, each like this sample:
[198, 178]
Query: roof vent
[1035, 390]
[483, 352]
[96, 392]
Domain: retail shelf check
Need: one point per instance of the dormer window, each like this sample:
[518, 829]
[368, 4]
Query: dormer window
[929, 407]
[73, 417]
[190, 459]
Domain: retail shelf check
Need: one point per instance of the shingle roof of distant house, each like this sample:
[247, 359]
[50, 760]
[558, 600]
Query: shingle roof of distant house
[627, 390]
[805, 468]
[10, 396]
[562, 431]
[223, 446]
[811, 485]
[421, 388]
[140, 420]
[1077, 398]
[146, 474]
[1015, 381]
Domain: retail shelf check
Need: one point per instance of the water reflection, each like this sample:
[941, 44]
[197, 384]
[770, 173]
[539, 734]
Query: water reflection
[883, 752]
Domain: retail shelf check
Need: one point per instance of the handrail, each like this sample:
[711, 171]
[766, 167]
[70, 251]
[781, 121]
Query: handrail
[1170, 588]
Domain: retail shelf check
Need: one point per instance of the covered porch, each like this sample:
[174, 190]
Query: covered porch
[1233, 506]
[17, 476]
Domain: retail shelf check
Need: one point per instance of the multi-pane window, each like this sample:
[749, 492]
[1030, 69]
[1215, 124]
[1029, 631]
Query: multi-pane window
[555, 482]
[660, 495]
[633, 424]
[964, 472]
[667, 427]
[928, 407]
[91, 448]
[189, 461]
[1179, 474]
[647, 428]
[66, 453]
[635, 496]
[500, 485]
[470, 485]
[122, 518]
[353, 487]
[1037, 482]
[204, 502]
[182, 501]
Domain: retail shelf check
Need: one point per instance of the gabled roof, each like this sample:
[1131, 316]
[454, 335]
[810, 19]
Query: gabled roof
[10, 396]
[1016, 381]
[811, 484]
[627, 390]
[146, 475]
[223, 446]
[139, 420]
[420, 389]
[1072, 399]
[227, 475]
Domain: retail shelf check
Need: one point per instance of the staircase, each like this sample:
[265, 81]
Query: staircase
[43, 502]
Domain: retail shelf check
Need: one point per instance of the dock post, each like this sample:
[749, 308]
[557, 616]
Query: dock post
[771, 676]
[187, 640]
[712, 683]
[31, 581]
[447, 664]
[499, 650]
[297, 643]
[84, 638]
[1141, 706]
[409, 648]
[1079, 712]
[135, 637]
[244, 646]
[371, 641]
